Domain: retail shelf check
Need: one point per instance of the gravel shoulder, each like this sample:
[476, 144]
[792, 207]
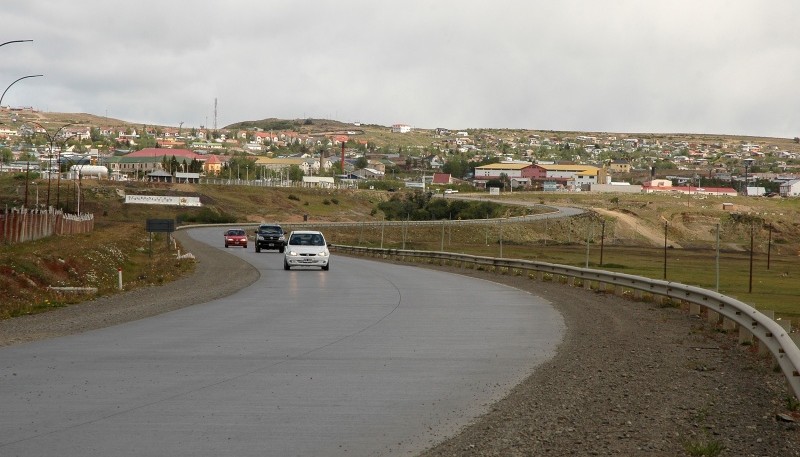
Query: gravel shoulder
[630, 378]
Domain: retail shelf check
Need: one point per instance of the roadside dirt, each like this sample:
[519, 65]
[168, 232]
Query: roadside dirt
[627, 224]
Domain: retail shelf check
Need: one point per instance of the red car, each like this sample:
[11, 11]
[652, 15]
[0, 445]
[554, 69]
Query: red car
[236, 237]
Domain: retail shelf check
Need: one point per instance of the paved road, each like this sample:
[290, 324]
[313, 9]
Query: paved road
[366, 359]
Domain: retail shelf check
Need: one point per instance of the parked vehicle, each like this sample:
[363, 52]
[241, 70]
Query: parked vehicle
[306, 248]
[270, 236]
[236, 237]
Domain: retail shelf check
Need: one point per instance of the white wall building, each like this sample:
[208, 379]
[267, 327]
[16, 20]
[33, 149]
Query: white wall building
[790, 188]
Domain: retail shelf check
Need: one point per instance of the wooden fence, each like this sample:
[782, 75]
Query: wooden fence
[18, 225]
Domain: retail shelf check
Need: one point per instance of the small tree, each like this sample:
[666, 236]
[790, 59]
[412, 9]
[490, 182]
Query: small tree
[295, 173]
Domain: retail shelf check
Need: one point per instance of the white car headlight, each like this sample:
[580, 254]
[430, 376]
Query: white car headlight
[292, 253]
[323, 254]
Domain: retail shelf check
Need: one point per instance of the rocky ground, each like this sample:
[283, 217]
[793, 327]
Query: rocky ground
[630, 378]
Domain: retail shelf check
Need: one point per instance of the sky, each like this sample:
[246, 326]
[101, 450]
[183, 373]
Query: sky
[683, 66]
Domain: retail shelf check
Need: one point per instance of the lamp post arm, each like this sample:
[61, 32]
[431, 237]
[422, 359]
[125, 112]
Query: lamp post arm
[9, 86]
[15, 41]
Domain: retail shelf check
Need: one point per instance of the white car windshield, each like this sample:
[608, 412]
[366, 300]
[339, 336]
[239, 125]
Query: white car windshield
[307, 239]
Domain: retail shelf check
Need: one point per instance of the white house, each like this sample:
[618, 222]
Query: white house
[401, 128]
[318, 181]
[790, 188]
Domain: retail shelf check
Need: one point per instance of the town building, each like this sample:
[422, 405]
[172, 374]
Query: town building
[790, 188]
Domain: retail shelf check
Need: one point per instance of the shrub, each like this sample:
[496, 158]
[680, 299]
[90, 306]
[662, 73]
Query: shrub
[704, 448]
[207, 215]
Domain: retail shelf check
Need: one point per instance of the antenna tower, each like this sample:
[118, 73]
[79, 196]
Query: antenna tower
[215, 113]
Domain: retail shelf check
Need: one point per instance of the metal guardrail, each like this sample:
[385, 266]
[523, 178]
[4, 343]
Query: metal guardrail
[772, 335]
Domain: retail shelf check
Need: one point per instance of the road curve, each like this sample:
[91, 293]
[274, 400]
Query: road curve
[366, 359]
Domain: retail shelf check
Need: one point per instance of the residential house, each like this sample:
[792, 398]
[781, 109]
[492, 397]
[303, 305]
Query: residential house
[318, 181]
[147, 160]
[401, 128]
[182, 177]
[212, 165]
[495, 170]
[442, 179]
[790, 188]
[619, 166]
[377, 165]
[135, 166]
[665, 185]
[568, 176]
[368, 173]
[281, 163]
[435, 162]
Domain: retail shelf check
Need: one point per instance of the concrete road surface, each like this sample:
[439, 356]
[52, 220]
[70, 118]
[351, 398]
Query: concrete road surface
[365, 359]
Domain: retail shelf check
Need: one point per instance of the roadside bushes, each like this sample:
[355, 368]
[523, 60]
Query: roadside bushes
[420, 206]
[206, 215]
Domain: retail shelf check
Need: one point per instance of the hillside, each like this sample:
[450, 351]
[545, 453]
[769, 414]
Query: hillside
[420, 139]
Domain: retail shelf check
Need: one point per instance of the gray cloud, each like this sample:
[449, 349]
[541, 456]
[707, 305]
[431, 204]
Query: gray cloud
[681, 66]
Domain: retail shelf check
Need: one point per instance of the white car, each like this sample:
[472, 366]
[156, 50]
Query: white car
[306, 248]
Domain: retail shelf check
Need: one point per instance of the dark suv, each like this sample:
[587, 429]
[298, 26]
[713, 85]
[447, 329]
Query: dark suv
[270, 236]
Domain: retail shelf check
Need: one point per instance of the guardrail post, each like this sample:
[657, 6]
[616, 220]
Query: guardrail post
[694, 309]
[786, 325]
[540, 276]
[637, 295]
[728, 324]
[712, 317]
[745, 336]
[619, 290]
[587, 284]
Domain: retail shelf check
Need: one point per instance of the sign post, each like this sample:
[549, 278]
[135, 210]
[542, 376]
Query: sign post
[160, 226]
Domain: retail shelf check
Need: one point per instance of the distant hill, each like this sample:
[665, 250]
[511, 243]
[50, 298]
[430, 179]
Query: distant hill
[420, 138]
[298, 125]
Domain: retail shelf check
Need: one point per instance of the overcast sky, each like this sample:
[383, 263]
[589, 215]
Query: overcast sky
[682, 66]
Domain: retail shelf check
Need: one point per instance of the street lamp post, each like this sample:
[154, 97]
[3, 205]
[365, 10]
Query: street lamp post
[52, 139]
[9, 86]
[58, 191]
[747, 163]
[24, 77]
